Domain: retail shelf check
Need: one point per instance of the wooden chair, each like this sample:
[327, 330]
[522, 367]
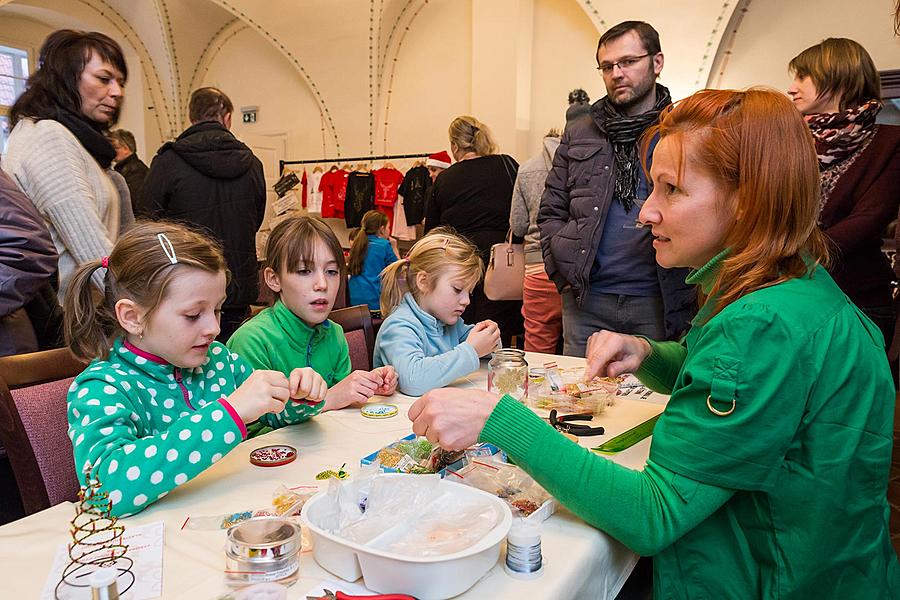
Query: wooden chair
[34, 426]
[357, 324]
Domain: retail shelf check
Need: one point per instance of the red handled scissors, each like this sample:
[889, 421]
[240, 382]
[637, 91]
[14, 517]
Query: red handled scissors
[329, 595]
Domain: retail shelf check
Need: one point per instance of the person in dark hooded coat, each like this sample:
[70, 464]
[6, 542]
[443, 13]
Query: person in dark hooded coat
[210, 179]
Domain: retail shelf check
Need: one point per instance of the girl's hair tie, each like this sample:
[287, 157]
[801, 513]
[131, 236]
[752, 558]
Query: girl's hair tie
[104, 262]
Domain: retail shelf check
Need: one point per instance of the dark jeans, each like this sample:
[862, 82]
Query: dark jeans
[639, 585]
[230, 320]
[634, 315]
[884, 318]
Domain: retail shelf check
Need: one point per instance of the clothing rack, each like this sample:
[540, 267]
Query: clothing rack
[340, 159]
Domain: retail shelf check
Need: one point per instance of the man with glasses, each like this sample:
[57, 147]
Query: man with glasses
[594, 250]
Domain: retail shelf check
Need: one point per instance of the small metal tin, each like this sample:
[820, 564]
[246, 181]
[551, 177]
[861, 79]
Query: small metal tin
[273, 456]
[263, 549]
[379, 411]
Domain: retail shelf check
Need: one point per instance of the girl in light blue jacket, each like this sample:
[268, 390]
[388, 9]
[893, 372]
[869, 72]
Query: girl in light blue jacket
[423, 296]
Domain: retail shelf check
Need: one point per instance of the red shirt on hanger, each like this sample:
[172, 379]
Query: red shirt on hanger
[334, 188]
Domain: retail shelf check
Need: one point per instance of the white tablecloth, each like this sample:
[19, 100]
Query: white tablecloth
[580, 561]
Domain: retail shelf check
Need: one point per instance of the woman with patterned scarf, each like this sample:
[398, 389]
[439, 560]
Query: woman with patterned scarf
[838, 91]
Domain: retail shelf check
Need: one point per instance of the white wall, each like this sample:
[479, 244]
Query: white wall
[565, 44]
[432, 80]
[253, 73]
[774, 31]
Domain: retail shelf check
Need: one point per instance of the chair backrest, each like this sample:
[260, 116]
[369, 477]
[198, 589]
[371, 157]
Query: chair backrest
[34, 425]
[342, 300]
[357, 324]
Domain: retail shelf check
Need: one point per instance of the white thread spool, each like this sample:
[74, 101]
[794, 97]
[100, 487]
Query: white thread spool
[523, 550]
[103, 584]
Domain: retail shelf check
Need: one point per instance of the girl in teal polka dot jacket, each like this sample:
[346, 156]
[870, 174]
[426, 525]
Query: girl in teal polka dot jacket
[162, 401]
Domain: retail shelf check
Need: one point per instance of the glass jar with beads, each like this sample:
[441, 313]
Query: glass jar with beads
[508, 373]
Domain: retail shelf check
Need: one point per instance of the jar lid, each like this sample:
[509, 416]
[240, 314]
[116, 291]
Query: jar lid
[273, 456]
[264, 538]
[379, 411]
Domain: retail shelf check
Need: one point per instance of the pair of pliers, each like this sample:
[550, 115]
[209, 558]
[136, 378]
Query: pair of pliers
[329, 595]
[562, 424]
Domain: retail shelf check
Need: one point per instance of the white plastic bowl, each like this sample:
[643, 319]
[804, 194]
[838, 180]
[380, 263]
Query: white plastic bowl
[426, 578]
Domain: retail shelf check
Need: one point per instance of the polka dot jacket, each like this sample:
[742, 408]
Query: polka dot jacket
[145, 426]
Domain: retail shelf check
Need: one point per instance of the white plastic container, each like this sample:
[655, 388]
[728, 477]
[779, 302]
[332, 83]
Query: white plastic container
[426, 578]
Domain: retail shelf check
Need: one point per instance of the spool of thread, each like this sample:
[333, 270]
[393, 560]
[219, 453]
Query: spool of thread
[104, 584]
[523, 550]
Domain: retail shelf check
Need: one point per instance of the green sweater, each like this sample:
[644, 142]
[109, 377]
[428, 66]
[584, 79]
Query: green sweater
[279, 340]
[768, 499]
[145, 426]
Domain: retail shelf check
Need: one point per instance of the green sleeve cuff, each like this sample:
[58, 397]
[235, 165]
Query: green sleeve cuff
[660, 369]
[514, 427]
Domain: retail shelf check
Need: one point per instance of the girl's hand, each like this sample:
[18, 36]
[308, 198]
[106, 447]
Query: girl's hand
[452, 417]
[388, 377]
[354, 390]
[484, 337]
[307, 386]
[611, 354]
[263, 392]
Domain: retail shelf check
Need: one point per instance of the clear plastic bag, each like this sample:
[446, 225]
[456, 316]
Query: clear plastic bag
[506, 481]
[446, 527]
[286, 502]
[414, 516]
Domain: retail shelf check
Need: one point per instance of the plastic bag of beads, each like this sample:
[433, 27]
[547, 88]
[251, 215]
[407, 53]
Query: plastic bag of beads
[287, 502]
[506, 481]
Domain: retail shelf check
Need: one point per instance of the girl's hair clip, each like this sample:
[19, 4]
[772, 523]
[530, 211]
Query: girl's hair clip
[167, 247]
[104, 262]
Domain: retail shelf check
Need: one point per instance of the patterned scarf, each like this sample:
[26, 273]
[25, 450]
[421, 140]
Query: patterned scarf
[839, 135]
[623, 132]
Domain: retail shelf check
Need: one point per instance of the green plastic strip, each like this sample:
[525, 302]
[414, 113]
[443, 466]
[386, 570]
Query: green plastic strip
[628, 438]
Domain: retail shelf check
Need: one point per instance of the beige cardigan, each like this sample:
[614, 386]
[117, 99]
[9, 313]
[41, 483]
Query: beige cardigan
[80, 202]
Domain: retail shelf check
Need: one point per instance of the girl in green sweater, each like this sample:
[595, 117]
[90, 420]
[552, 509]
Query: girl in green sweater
[162, 401]
[305, 267]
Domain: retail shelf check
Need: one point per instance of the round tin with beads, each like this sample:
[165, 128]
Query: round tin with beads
[262, 549]
[379, 411]
[273, 456]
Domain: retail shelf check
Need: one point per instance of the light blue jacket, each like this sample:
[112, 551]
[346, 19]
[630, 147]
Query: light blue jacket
[426, 353]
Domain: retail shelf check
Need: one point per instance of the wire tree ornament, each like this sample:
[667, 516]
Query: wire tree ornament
[96, 541]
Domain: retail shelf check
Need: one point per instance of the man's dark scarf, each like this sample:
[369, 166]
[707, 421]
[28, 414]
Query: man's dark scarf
[623, 132]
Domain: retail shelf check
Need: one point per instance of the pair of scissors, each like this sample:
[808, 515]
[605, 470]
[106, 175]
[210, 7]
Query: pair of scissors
[329, 595]
[563, 424]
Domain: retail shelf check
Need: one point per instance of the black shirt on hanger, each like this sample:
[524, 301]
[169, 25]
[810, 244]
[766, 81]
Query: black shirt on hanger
[414, 189]
[360, 197]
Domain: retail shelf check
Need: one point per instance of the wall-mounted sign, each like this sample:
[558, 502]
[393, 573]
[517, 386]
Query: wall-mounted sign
[249, 113]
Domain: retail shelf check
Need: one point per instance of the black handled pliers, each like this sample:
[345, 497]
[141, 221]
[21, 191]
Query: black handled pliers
[563, 424]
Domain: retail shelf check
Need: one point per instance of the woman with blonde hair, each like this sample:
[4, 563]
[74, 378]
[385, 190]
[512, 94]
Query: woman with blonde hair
[838, 91]
[474, 196]
[423, 299]
[768, 467]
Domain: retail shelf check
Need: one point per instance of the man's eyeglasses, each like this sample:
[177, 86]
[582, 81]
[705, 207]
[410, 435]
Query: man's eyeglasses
[624, 64]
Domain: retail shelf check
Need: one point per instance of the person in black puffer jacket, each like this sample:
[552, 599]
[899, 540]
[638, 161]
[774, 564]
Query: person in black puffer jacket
[210, 179]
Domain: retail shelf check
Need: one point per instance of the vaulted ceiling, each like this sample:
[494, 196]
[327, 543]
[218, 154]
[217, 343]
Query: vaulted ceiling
[175, 40]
